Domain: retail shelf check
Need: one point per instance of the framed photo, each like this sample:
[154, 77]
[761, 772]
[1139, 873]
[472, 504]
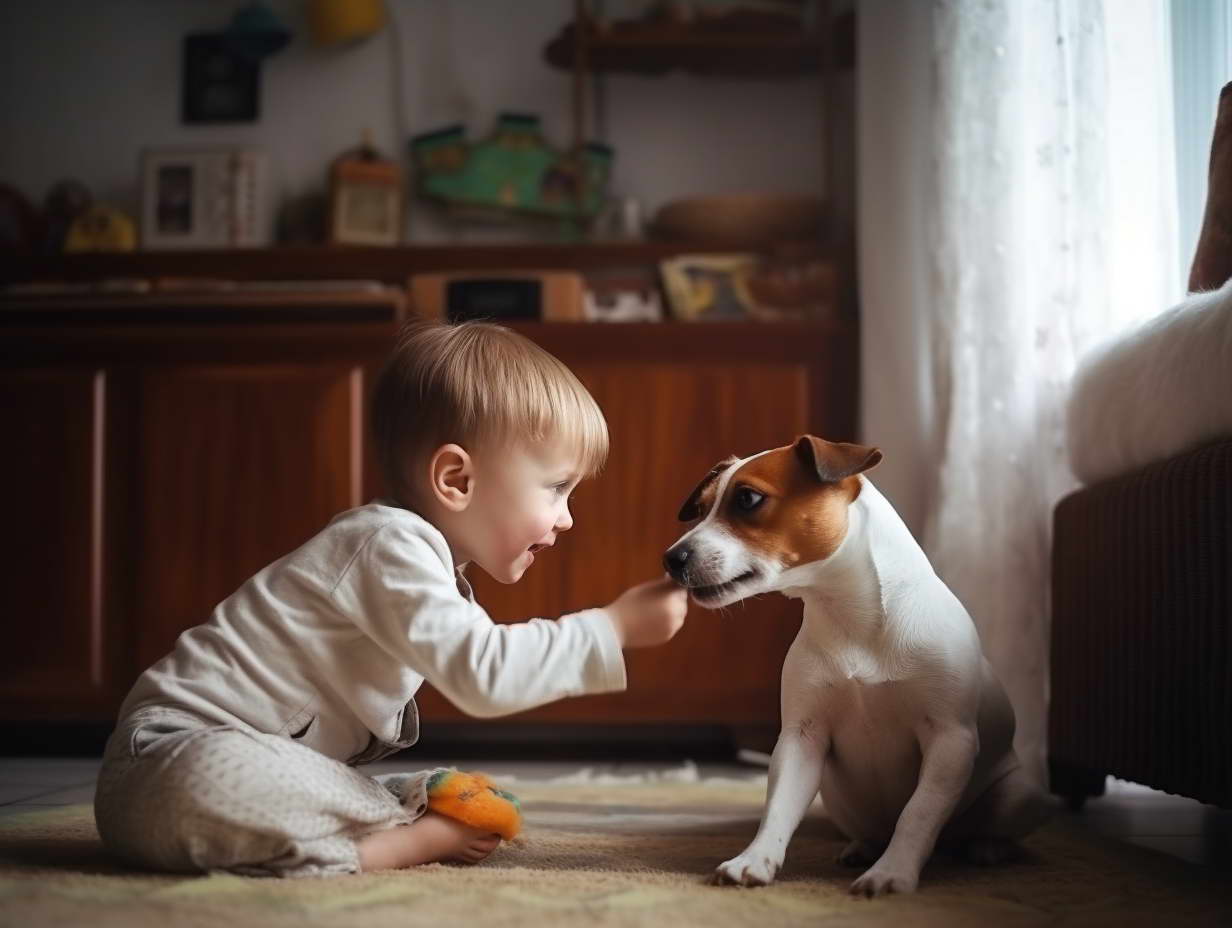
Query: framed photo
[366, 197]
[218, 85]
[703, 288]
[203, 198]
[367, 214]
[744, 286]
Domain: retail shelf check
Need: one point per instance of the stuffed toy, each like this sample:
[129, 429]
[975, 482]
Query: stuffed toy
[472, 799]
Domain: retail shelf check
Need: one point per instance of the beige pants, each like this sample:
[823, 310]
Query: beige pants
[176, 793]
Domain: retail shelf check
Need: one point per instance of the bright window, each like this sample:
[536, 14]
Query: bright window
[1201, 65]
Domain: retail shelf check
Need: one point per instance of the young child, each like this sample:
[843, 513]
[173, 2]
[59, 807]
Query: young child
[238, 750]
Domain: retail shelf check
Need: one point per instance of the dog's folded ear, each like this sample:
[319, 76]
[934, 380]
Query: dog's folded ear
[691, 508]
[832, 461]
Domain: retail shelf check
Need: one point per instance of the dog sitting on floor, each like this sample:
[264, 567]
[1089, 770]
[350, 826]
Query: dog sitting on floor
[889, 708]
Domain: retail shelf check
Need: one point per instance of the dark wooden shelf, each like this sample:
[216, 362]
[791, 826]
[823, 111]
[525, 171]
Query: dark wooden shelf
[657, 48]
[690, 342]
[390, 265]
[215, 308]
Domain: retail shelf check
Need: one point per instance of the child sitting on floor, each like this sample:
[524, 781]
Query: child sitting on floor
[238, 751]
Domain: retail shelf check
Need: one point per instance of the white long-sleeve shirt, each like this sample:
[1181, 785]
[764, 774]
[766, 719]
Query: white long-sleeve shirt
[330, 643]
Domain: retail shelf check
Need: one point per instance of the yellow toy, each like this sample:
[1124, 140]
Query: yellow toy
[101, 228]
[471, 798]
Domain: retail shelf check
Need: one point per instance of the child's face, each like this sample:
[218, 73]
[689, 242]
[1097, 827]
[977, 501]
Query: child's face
[520, 505]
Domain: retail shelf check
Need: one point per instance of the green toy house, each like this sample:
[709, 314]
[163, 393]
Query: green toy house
[514, 169]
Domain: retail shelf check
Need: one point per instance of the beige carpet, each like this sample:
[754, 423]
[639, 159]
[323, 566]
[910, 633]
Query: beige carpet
[616, 854]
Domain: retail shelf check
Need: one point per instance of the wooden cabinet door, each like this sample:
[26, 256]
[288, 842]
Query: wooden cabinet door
[156, 456]
[669, 425]
[673, 412]
[239, 465]
[52, 660]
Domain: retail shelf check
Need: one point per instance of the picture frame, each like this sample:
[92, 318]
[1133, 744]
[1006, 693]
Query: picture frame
[366, 200]
[709, 288]
[366, 214]
[783, 288]
[203, 198]
[218, 84]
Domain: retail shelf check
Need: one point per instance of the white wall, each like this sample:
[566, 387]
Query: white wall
[84, 85]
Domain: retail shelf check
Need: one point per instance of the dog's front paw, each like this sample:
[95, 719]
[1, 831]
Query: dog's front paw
[880, 880]
[749, 869]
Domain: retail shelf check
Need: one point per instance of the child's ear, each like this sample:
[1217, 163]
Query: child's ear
[452, 477]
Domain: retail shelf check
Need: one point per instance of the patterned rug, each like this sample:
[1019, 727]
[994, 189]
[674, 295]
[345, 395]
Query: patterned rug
[613, 853]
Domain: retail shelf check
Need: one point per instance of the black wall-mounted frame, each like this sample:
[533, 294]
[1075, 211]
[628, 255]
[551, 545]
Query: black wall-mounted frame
[218, 84]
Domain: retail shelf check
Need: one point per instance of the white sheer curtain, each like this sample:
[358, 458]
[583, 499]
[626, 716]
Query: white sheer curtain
[1017, 203]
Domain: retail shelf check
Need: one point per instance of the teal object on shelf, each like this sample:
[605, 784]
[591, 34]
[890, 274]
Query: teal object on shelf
[256, 32]
[513, 168]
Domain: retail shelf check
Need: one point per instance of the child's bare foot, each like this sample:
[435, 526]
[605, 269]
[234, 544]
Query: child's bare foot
[429, 839]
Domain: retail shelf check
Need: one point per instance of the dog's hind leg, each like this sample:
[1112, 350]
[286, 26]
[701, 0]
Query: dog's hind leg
[860, 854]
[989, 851]
[1011, 808]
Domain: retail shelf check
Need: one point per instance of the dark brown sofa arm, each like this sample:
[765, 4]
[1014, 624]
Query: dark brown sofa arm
[1142, 629]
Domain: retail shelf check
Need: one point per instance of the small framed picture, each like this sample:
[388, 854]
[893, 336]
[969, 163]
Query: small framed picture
[744, 286]
[367, 214]
[704, 288]
[203, 198]
[219, 85]
[366, 199]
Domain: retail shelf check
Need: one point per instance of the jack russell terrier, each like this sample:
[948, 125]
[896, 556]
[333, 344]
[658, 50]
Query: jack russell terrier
[889, 708]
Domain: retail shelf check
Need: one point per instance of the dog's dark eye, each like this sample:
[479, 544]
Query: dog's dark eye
[747, 499]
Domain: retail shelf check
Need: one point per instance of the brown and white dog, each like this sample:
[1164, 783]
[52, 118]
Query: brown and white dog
[889, 708]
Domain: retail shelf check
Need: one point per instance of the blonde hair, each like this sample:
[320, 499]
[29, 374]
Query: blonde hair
[477, 385]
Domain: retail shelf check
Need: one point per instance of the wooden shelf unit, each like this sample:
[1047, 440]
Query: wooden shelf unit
[658, 48]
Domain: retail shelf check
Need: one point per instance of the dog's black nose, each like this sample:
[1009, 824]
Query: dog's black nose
[675, 559]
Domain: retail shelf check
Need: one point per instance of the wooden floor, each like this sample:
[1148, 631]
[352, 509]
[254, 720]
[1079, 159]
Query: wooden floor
[1181, 827]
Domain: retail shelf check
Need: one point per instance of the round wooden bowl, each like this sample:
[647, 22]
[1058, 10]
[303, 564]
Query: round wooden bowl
[740, 217]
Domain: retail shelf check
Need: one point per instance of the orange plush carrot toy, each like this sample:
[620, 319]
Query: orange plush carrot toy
[472, 799]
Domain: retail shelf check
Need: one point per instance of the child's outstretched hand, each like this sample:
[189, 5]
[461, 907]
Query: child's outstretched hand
[649, 613]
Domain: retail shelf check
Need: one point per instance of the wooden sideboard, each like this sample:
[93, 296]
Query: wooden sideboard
[159, 454]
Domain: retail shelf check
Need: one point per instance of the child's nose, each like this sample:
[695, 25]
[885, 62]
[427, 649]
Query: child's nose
[564, 521]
